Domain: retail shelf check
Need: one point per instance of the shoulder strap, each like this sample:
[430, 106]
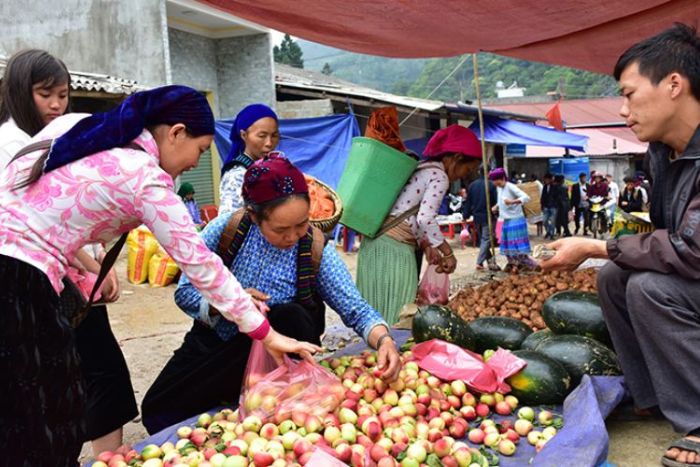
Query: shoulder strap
[318, 243]
[227, 237]
[397, 220]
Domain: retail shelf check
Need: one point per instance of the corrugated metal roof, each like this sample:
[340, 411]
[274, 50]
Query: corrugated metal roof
[601, 141]
[304, 79]
[573, 112]
[298, 78]
[95, 82]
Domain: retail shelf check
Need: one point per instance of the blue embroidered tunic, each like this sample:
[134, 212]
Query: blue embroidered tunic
[272, 271]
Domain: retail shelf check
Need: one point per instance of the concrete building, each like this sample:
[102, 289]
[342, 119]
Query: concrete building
[153, 42]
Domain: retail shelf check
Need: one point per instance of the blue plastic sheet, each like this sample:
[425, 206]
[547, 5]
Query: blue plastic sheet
[582, 442]
[318, 146]
[504, 131]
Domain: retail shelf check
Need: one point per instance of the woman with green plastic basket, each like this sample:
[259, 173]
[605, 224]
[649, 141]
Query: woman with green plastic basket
[386, 266]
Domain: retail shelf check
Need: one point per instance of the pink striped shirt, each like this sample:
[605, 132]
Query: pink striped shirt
[96, 199]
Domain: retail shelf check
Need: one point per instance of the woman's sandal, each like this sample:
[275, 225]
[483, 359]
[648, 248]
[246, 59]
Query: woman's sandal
[683, 444]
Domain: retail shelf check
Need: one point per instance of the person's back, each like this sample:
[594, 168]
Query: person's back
[476, 201]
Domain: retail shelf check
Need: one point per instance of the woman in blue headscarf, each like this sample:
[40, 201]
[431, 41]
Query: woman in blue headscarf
[255, 133]
[102, 175]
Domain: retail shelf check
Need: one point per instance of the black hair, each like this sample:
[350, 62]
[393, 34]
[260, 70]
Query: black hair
[677, 49]
[559, 178]
[262, 211]
[548, 175]
[582, 174]
[24, 70]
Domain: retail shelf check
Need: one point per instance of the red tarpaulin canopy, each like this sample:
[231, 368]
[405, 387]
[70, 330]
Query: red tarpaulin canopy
[588, 34]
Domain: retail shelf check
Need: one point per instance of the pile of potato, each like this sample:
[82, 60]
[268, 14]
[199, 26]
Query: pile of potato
[520, 297]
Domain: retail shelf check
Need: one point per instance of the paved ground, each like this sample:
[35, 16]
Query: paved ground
[149, 326]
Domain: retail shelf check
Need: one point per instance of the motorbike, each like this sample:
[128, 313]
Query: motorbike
[599, 218]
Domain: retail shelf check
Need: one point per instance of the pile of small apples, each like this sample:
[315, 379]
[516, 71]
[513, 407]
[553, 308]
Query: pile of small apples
[418, 420]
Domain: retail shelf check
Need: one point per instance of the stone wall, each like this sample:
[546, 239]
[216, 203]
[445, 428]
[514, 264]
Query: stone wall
[245, 73]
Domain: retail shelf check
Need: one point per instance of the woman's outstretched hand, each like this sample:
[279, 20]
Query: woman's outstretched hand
[278, 345]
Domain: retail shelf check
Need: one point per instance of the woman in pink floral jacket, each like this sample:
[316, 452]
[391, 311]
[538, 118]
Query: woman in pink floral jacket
[89, 188]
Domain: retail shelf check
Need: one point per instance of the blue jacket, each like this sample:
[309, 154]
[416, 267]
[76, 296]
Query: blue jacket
[476, 201]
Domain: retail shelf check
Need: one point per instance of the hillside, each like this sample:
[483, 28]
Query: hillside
[418, 77]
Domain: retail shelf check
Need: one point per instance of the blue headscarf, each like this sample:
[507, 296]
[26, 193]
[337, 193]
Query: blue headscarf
[245, 118]
[165, 105]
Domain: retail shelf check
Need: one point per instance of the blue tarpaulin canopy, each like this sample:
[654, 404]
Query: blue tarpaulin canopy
[318, 146]
[504, 131]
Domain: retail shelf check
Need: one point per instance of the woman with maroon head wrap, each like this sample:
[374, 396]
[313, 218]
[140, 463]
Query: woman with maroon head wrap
[280, 259]
[387, 270]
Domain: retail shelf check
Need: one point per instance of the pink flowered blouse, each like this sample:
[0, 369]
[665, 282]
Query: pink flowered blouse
[98, 198]
[427, 186]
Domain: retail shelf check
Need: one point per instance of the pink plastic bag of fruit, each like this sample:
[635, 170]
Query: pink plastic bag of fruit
[260, 363]
[450, 362]
[296, 390]
[434, 287]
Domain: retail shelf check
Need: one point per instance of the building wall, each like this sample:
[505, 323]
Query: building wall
[121, 38]
[244, 68]
[304, 108]
[193, 62]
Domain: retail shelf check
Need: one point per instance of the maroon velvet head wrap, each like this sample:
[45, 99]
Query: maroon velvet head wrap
[272, 177]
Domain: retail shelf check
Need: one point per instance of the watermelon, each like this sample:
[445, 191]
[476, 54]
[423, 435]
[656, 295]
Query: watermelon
[492, 332]
[580, 356]
[542, 381]
[439, 322]
[574, 312]
[535, 338]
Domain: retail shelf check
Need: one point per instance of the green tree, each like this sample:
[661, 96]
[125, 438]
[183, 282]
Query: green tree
[327, 70]
[289, 53]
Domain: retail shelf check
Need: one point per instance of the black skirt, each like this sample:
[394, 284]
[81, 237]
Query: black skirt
[41, 393]
[110, 396]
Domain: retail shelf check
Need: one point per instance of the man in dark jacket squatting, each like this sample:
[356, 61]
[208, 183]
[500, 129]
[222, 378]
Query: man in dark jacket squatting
[650, 290]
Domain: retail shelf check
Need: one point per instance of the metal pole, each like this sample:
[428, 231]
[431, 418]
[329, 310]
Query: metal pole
[484, 158]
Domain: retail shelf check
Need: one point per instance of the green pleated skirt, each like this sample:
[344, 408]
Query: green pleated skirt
[387, 275]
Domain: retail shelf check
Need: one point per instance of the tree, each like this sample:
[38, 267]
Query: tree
[327, 70]
[289, 53]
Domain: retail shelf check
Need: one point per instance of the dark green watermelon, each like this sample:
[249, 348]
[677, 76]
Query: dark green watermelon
[580, 356]
[574, 312]
[542, 381]
[531, 341]
[439, 322]
[492, 332]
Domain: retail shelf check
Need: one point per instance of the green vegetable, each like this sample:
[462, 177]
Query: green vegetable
[574, 312]
[535, 338]
[492, 332]
[439, 322]
[543, 381]
[580, 356]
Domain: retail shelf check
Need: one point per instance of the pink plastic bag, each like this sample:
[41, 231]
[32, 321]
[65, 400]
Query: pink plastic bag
[260, 363]
[294, 390]
[434, 287]
[450, 362]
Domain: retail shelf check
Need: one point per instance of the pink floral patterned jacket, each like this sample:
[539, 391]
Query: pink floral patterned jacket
[96, 199]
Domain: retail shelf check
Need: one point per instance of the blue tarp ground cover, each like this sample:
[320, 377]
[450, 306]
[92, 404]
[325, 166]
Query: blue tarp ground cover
[582, 442]
[318, 146]
[504, 131]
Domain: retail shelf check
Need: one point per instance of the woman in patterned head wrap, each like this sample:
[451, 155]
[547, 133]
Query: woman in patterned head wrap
[279, 258]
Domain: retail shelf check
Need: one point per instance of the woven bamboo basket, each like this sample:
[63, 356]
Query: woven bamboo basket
[328, 224]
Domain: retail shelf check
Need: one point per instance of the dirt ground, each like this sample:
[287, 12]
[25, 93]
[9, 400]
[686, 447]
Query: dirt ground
[149, 327]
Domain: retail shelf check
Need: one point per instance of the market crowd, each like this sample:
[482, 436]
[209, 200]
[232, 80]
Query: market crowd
[261, 271]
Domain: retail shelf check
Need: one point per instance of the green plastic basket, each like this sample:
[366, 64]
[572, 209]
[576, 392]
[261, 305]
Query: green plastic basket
[372, 180]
